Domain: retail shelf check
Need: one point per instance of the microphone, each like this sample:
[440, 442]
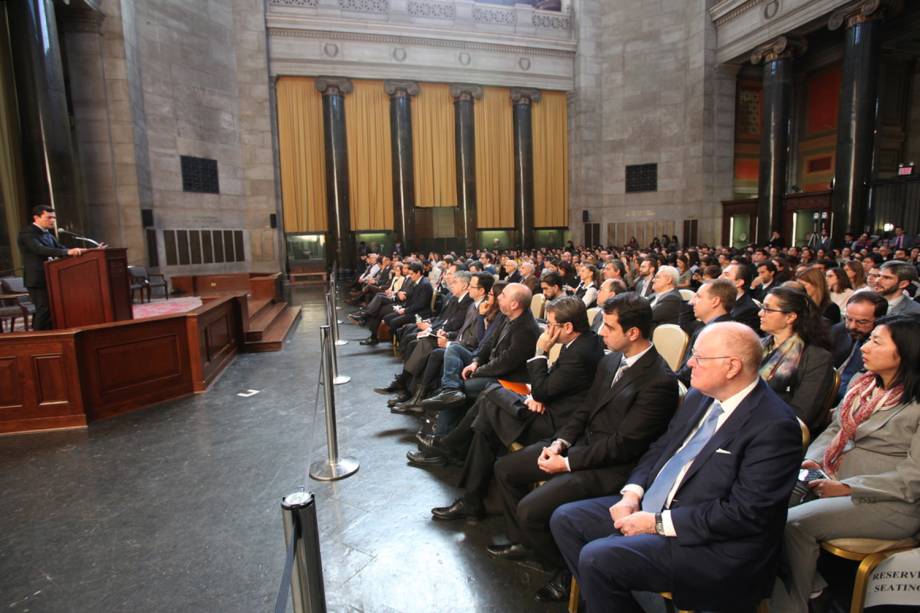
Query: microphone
[78, 237]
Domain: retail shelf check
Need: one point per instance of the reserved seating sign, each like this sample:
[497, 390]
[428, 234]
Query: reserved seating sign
[896, 581]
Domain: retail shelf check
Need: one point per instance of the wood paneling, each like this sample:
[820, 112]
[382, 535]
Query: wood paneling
[217, 328]
[89, 289]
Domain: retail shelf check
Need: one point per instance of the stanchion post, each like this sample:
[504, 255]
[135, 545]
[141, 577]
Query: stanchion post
[308, 592]
[337, 379]
[335, 321]
[334, 467]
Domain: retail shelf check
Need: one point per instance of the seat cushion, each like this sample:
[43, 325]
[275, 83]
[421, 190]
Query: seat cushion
[865, 545]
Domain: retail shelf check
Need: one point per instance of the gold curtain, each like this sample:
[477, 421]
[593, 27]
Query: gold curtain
[494, 159]
[303, 163]
[370, 167]
[550, 161]
[433, 144]
[12, 192]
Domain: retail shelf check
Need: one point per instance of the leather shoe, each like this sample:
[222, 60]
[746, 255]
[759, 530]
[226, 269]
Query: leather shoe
[395, 387]
[406, 408]
[424, 458]
[509, 551]
[446, 399]
[458, 510]
[400, 398]
[369, 341]
[557, 590]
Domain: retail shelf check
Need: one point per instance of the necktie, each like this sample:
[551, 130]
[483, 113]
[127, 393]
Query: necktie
[619, 373]
[657, 494]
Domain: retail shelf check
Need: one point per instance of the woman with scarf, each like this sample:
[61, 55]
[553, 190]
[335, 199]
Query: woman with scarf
[871, 456]
[797, 364]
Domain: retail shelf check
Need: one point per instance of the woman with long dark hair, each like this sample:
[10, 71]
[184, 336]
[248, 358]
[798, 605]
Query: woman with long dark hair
[814, 282]
[797, 363]
[870, 457]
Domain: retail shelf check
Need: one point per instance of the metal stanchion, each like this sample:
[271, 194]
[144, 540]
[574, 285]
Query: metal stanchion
[298, 513]
[334, 467]
[334, 319]
[337, 379]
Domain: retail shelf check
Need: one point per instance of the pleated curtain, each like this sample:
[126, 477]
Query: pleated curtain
[494, 159]
[550, 161]
[370, 166]
[434, 147]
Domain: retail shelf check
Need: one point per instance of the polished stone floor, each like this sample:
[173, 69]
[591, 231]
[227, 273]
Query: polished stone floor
[177, 507]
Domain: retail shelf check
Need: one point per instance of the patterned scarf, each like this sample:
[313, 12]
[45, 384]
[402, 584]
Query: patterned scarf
[860, 403]
[781, 362]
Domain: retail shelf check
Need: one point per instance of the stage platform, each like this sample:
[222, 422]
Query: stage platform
[177, 507]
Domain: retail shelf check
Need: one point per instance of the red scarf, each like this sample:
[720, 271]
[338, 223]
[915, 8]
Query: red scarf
[858, 406]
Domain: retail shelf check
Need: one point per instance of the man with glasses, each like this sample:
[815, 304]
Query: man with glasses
[894, 278]
[847, 337]
[705, 508]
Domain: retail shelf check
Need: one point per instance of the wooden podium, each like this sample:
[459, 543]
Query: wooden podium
[89, 289]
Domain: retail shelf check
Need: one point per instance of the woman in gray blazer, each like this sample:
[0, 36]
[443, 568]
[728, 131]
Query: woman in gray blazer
[871, 456]
[797, 363]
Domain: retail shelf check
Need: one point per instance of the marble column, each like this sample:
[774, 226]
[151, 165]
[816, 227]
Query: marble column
[339, 238]
[776, 102]
[850, 206]
[465, 137]
[523, 165]
[401, 93]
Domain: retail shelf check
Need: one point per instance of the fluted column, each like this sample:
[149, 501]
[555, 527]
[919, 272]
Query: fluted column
[339, 237]
[856, 118]
[777, 58]
[523, 164]
[465, 136]
[400, 93]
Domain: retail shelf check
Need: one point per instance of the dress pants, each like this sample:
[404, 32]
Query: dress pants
[395, 321]
[527, 511]
[41, 320]
[431, 376]
[608, 565]
[830, 518]
[378, 302]
[373, 321]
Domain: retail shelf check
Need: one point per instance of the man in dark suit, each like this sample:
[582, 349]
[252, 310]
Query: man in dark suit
[703, 513]
[37, 244]
[629, 405]
[501, 417]
[647, 269]
[847, 337]
[712, 304]
[417, 300]
[746, 310]
[667, 301]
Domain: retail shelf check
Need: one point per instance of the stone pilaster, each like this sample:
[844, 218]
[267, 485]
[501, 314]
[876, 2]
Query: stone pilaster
[522, 99]
[339, 236]
[464, 128]
[401, 93]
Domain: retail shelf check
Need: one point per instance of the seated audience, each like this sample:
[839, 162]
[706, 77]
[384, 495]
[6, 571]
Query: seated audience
[587, 288]
[870, 455]
[551, 286]
[894, 278]
[528, 277]
[647, 269]
[703, 511]
[629, 405]
[847, 338]
[815, 284]
[712, 304]
[764, 281]
[856, 275]
[838, 286]
[417, 301]
[797, 363]
[746, 309]
[667, 301]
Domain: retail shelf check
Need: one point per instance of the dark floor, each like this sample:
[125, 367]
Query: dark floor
[177, 507]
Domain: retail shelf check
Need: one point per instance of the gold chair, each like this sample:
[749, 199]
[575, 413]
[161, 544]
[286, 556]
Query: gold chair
[671, 342]
[537, 305]
[869, 553]
[554, 352]
[687, 294]
[592, 313]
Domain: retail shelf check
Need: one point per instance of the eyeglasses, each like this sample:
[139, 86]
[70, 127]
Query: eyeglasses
[858, 322]
[771, 310]
[699, 358]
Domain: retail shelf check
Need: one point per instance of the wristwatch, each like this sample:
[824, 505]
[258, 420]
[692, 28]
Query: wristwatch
[659, 524]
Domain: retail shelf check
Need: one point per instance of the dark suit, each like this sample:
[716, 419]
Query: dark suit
[500, 416]
[506, 352]
[747, 312]
[728, 512]
[806, 391]
[847, 357]
[418, 302]
[532, 282]
[608, 434]
[36, 246]
[667, 308]
[450, 320]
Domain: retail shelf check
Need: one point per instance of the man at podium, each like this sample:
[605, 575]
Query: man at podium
[37, 245]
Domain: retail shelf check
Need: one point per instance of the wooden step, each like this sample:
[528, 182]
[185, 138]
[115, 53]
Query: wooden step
[260, 323]
[256, 305]
[274, 335]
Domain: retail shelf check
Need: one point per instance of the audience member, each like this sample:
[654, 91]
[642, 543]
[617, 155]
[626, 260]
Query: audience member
[815, 284]
[667, 301]
[847, 338]
[893, 280]
[746, 309]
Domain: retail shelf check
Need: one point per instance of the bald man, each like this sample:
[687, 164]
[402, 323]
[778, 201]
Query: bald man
[703, 513]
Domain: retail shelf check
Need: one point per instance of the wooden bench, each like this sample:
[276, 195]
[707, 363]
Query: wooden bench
[304, 277]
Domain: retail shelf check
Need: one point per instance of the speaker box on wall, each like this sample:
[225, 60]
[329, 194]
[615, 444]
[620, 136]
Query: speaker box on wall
[584, 216]
[147, 217]
[273, 220]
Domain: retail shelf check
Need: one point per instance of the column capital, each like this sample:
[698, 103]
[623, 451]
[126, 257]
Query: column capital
[333, 86]
[781, 47]
[863, 11]
[525, 95]
[464, 91]
[400, 89]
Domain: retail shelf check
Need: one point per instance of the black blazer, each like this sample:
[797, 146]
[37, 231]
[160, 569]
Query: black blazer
[667, 309]
[36, 247]
[841, 343]
[614, 426]
[564, 386]
[505, 353]
[729, 511]
[418, 301]
[807, 390]
[684, 372]
[747, 312]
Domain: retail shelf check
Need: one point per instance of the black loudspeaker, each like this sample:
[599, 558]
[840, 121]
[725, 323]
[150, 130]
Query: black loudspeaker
[273, 220]
[147, 217]
[584, 216]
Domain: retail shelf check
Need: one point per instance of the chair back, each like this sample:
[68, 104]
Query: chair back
[671, 342]
[554, 352]
[687, 294]
[138, 273]
[13, 285]
[537, 305]
[592, 313]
